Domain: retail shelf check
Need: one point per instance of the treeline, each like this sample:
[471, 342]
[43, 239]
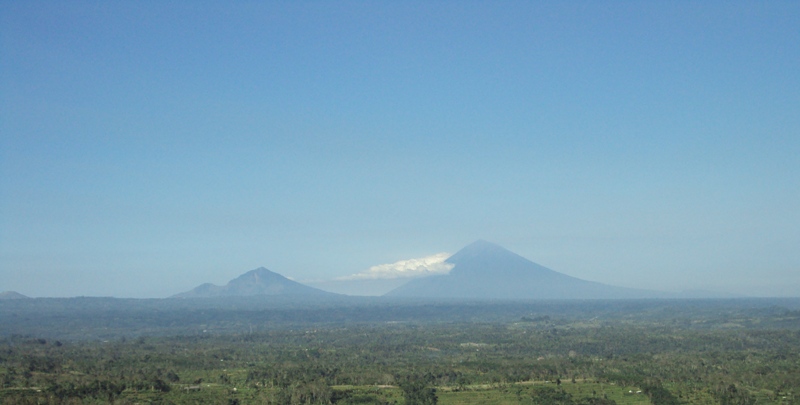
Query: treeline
[411, 363]
[109, 318]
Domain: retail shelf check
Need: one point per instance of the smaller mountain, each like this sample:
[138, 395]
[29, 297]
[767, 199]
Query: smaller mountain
[12, 295]
[254, 283]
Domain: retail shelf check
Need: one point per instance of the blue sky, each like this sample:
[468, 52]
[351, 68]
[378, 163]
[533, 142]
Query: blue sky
[147, 147]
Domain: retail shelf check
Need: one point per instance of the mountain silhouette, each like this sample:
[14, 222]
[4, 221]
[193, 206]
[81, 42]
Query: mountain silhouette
[483, 270]
[255, 282]
[12, 295]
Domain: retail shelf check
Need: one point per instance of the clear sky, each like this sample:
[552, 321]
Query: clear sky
[149, 146]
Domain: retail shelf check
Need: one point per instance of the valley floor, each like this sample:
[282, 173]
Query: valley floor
[714, 353]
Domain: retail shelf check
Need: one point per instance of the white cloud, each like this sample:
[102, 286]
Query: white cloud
[424, 266]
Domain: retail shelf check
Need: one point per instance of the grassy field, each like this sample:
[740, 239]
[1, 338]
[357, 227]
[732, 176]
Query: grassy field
[504, 394]
[521, 393]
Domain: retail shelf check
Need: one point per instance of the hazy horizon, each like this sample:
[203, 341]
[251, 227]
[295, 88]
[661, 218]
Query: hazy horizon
[146, 148]
[381, 279]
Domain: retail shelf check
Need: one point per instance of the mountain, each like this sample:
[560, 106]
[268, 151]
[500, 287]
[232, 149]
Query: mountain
[255, 282]
[11, 295]
[483, 270]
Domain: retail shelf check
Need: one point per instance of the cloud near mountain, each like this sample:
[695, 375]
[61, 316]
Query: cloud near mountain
[423, 266]
[483, 270]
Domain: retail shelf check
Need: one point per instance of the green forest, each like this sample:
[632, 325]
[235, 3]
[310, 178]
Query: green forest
[470, 353]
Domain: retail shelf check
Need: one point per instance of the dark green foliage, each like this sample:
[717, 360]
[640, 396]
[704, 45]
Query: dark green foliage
[670, 360]
[596, 401]
[173, 377]
[731, 395]
[349, 397]
[557, 396]
[95, 389]
[417, 392]
[659, 395]
[550, 396]
[312, 392]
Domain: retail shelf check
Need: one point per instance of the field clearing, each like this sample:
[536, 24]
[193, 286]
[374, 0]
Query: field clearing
[521, 393]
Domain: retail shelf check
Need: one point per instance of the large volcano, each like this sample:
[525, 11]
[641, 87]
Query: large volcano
[483, 270]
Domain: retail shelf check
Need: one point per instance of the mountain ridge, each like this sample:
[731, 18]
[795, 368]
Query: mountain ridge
[12, 295]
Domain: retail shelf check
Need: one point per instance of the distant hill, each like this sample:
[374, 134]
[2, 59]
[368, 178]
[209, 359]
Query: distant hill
[12, 295]
[255, 282]
[483, 270]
